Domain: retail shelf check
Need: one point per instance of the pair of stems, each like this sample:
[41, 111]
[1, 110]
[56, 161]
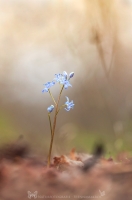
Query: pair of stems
[52, 129]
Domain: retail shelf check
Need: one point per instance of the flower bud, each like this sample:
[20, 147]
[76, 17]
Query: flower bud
[50, 108]
[71, 75]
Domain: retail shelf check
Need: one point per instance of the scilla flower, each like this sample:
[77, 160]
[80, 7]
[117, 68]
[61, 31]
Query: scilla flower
[62, 79]
[69, 104]
[48, 85]
[50, 108]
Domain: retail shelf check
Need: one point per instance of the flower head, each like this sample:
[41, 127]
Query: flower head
[50, 108]
[62, 79]
[48, 85]
[69, 104]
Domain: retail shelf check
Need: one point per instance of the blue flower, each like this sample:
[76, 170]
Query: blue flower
[48, 85]
[69, 104]
[50, 108]
[62, 79]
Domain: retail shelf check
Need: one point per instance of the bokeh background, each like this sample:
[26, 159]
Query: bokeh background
[93, 38]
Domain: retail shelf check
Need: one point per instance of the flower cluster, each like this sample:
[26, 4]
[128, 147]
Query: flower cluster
[63, 79]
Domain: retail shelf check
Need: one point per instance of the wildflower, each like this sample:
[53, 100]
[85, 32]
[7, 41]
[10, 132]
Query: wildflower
[50, 108]
[62, 79]
[48, 85]
[69, 104]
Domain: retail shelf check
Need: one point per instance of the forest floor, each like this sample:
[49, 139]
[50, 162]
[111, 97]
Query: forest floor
[74, 176]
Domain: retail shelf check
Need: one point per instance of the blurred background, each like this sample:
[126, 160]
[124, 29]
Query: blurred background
[93, 38]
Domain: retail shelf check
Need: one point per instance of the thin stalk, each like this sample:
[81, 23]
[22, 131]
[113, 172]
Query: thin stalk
[52, 97]
[54, 126]
[50, 124]
[60, 108]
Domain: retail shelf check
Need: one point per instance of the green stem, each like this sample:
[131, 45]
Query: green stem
[54, 126]
[52, 97]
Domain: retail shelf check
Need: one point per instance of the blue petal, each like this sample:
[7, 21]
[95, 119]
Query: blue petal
[71, 75]
[67, 99]
[67, 109]
[65, 74]
[45, 90]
